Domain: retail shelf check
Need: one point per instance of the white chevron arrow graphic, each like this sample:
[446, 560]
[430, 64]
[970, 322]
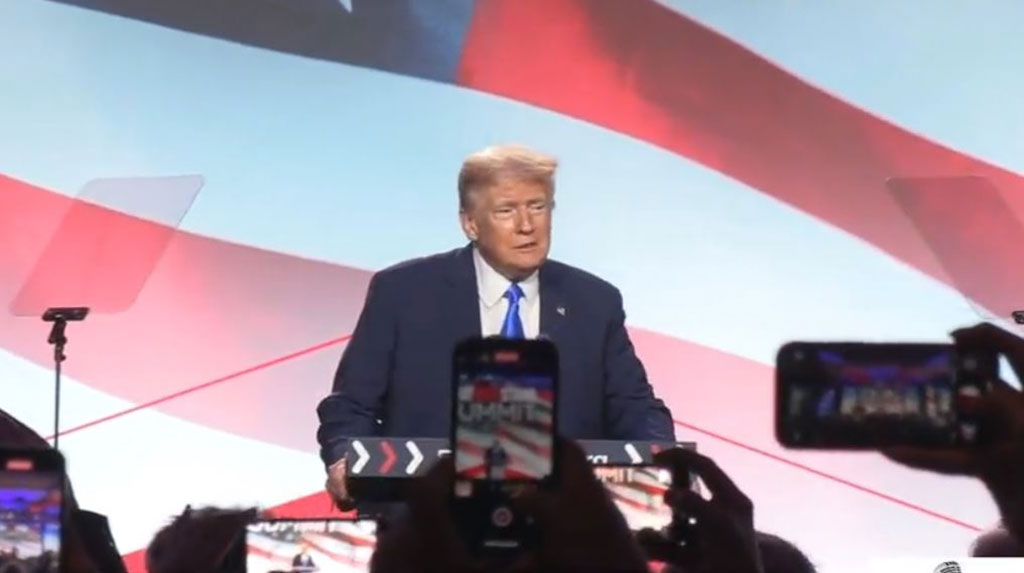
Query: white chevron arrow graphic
[417, 457]
[364, 456]
[634, 456]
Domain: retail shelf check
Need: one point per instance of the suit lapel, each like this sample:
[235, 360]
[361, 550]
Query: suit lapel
[553, 308]
[462, 305]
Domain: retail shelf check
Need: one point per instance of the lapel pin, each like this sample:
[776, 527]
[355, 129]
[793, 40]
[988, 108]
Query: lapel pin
[560, 310]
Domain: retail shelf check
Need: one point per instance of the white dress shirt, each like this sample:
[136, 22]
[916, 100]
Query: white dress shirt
[491, 287]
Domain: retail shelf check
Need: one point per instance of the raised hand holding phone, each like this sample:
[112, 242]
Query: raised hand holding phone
[725, 539]
[850, 395]
[998, 457]
[504, 408]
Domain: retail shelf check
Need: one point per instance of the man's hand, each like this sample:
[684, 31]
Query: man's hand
[999, 460]
[337, 486]
[726, 540]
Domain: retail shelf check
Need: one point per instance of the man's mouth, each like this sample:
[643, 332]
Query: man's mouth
[526, 246]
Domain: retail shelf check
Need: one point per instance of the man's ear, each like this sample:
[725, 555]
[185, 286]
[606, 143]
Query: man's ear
[469, 226]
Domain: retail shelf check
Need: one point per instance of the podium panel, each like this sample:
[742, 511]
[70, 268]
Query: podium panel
[377, 467]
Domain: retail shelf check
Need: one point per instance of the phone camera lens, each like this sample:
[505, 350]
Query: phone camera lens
[970, 364]
[502, 517]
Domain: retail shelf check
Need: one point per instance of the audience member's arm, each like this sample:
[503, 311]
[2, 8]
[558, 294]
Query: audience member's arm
[726, 541]
[999, 460]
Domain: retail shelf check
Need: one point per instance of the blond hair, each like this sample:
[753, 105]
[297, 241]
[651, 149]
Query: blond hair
[502, 162]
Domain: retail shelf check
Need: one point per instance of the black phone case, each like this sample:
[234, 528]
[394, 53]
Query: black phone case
[476, 517]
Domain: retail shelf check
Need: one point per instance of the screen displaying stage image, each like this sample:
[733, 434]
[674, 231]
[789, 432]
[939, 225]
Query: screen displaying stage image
[308, 546]
[504, 426]
[30, 521]
[848, 391]
[639, 493]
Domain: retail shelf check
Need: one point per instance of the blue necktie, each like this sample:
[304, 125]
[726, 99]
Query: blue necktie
[512, 327]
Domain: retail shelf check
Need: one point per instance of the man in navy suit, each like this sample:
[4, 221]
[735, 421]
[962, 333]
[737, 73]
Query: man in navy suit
[395, 375]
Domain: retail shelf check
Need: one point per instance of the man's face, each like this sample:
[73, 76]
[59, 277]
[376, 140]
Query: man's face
[511, 225]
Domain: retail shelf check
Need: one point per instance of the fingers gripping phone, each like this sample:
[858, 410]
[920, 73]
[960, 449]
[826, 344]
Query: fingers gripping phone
[639, 493]
[32, 514]
[867, 396]
[504, 409]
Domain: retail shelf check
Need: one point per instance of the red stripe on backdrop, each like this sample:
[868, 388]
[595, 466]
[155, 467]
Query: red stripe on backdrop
[135, 561]
[205, 385]
[646, 71]
[209, 308]
[960, 237]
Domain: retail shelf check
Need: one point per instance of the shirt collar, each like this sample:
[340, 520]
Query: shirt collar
[491, 285]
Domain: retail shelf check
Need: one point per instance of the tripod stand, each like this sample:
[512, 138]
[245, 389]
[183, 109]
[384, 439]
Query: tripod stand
[60, 318]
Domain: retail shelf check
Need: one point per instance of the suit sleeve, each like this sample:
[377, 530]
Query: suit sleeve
[362, 378]
[632, 411]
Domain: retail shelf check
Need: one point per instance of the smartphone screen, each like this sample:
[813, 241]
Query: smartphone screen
[639, 493]
[31, 510]
[854, 395]
[503, 421]
[308, 545]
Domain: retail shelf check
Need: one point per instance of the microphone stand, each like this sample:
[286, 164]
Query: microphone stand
[60, 316]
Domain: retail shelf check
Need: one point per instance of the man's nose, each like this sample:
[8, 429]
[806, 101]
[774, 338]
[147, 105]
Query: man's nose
[524, 221]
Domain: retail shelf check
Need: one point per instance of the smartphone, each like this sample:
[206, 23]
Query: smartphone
[639, 493]
[840, 395]
[504, 415]
[308, 545]
[32, 514]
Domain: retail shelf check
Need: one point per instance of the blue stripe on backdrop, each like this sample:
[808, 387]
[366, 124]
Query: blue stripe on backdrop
[413, 37]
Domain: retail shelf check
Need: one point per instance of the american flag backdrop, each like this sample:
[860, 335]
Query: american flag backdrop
[723, 163]
[514, 414]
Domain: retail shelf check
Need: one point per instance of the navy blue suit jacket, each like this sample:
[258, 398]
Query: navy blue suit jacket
[395, 377]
